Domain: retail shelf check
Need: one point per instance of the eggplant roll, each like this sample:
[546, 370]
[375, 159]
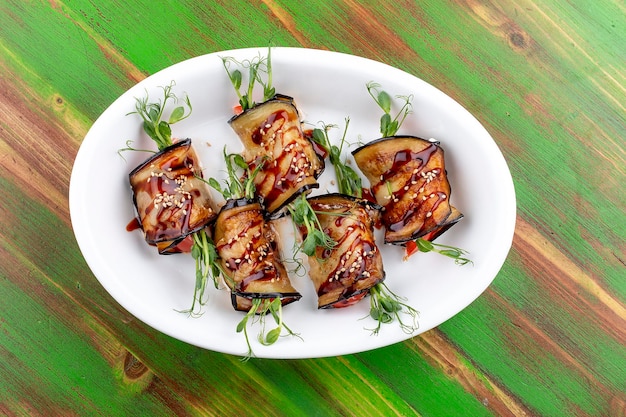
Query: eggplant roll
[344, 274]
[171, 203]
[271, 133]
[247, 247]
[408, 178]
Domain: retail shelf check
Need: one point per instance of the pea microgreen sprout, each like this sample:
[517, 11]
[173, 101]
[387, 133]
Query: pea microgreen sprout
[205, 255]
[255, 67]
[390, 127]
[385, 306]
[152, 114]
[457, 254]
[204, 251]
[129, 147]
[261, 307]
[349, 181]
[235, 186]
[303, 214]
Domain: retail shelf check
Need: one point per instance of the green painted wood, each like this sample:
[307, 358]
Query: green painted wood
[545, 78]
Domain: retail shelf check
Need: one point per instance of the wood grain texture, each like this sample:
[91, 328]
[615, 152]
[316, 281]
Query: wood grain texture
[547, 79]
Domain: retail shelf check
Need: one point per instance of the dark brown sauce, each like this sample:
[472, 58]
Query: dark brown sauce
[133, 225]
[399, 225]
[366, 193]
[253, 241]
[358, 243]
[405, 156]
[259, 134]
[266, 273]
[320, 151]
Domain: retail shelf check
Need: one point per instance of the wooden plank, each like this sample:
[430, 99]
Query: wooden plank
[546, 79]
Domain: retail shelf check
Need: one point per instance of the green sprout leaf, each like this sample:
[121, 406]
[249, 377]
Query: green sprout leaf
[348, 181]
[262, 308]
[387, 307]
[303, 215]
[177, 115]
[256, 69]
[151, 113]
[204, 253]
[238, 184]
[389, 125]
[455, 253]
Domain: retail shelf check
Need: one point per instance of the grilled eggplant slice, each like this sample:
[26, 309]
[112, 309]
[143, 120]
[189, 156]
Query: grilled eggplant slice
[171, 204]
[271, 133]
[408, 178]
[344, 274]
[247, 247]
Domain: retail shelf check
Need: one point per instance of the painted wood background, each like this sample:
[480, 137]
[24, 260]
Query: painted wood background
[546, 78]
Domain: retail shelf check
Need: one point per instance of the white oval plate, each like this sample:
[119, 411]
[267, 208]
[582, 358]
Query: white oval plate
[328, 87]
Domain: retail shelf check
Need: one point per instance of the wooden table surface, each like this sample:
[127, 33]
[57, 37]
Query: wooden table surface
[547, 80]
